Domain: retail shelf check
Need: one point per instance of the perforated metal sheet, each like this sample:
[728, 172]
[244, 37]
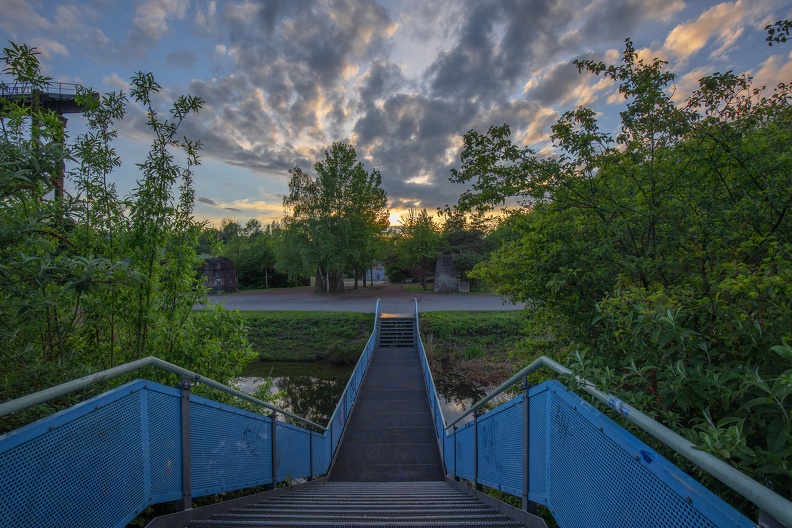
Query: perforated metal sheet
[586, 468]
[164, 441]
[84, 466]
[537, 444]
[292, 445]
[231, 449]
[500, 437]
[620, 480]
[465, 450]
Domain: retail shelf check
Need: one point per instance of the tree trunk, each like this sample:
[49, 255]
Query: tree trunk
[357, 274]
[266, 279]
[365, 272]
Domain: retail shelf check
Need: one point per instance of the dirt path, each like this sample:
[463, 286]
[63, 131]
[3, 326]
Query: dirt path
[394, 299]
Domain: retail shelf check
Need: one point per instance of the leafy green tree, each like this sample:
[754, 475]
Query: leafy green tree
[336, 220]
[466, 240]
[416, 246]
[97, 280]
[659, 258]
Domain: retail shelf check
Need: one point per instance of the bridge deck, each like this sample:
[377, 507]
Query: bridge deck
[390, 435]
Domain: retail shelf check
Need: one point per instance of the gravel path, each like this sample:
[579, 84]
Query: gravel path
[394, 299]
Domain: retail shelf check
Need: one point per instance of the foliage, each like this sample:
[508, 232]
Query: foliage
[465, 239]
[663, 252]
[415, 246]
[253, 250]
[95, 280]
[337, 220]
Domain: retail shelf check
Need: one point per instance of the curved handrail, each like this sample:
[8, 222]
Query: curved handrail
[766, 499]
[45, 395]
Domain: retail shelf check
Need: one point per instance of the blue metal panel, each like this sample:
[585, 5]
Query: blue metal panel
[600, 475]
[164, 441]
[448, 453]
[537, 444]
[231, 448]
[321, 462]
[500, 450]
[465, 450]
[292, 446]
[83, 466]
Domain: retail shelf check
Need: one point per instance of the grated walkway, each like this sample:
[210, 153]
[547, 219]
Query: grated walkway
[390, 435]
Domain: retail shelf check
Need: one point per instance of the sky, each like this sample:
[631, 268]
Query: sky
[400, 80]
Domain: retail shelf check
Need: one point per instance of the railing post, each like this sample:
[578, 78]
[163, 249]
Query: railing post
[455, 456]
[475, 450]
[184, 402]
[274, 417]
[310, 456]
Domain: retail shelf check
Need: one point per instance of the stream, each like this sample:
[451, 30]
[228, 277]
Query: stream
[312, 388]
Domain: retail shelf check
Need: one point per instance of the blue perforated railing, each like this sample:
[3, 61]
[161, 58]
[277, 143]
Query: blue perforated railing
[103, 461]
[548, 446]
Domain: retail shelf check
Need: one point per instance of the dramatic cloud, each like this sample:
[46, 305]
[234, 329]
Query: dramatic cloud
[723, 23]
[402, 80]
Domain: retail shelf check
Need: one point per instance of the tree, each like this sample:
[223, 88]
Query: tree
[416, 246]
[95, 280]
[466, 240]
[658, 260]
[337, 219]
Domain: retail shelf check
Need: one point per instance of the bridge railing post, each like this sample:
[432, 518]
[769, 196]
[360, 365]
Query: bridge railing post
[274, 435]
[310, 456]
[184, 403]
[455, 454]
[475, 450]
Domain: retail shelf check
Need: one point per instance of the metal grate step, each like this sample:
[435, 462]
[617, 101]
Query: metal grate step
[396, 332]
[365, 504]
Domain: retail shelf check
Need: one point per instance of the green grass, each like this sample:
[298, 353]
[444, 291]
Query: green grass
[308, 336]
[473, 334]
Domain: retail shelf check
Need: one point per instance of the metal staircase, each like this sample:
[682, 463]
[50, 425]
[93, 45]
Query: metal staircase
[435, 504]
[396, 331]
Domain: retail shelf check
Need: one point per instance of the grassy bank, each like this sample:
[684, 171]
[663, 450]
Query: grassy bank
[338, 337]
[481, 346]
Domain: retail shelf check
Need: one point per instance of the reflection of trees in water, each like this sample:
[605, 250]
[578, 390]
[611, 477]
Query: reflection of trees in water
[456, 389]
[310, 397]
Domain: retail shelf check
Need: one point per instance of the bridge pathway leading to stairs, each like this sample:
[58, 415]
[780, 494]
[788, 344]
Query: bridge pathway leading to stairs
[388, 470]
[390, 434]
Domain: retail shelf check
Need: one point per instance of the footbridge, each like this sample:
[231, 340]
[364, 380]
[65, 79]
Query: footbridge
[387, 457]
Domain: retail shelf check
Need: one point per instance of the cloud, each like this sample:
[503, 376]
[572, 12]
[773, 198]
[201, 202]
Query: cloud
[152, 16]
[181, 58]
[48, 48]
[20, 15]
[723, 23]
[776, 69]
[207, 201]
[115, 82]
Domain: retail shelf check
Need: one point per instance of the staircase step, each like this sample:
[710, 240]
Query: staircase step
[388, 504]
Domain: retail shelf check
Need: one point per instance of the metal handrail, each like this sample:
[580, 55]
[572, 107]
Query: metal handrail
[766, 499]
[45, 395]
[420, 344]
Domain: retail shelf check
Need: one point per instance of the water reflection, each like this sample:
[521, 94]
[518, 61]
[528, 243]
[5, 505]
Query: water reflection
[456, 394]
[308, 389]
[312, 389]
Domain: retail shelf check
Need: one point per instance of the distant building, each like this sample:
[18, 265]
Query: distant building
[376, 273]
